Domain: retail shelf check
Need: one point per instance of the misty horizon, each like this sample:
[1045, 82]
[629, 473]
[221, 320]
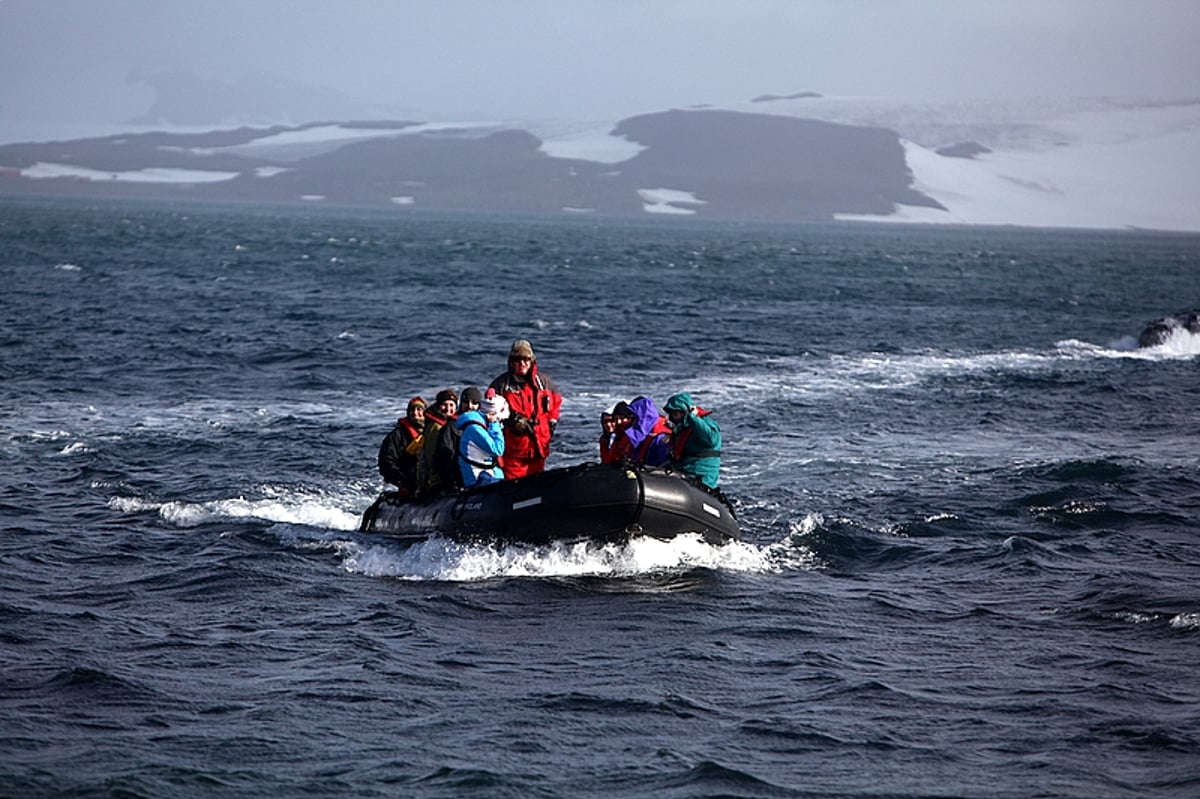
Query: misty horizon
[130, 62]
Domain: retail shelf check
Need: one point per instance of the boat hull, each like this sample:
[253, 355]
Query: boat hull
[597, 502]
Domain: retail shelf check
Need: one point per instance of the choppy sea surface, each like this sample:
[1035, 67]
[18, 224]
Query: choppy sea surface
[971, 510]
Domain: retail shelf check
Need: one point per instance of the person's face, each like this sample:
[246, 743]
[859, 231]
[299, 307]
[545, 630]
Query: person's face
[417, 414]
[675, 417]
[624, 422]
[520, 366]
[609, 423]
[447, 406]
[470, 405]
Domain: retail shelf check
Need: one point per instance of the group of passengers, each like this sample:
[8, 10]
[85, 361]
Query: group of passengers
[684, 436]
[480, 437]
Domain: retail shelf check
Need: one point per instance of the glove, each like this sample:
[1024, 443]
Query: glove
[520, 424]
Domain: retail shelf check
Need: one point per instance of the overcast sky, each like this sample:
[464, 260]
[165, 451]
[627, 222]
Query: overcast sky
[72, 60]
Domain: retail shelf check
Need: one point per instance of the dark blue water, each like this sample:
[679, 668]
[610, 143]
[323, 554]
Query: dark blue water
[971, 511]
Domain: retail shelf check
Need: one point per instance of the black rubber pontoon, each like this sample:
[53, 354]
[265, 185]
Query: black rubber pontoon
[598, 502]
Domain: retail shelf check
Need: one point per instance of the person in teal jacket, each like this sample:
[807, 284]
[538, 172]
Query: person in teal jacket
[695, 440]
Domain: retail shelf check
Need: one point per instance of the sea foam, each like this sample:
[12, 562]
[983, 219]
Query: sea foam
[439, 559]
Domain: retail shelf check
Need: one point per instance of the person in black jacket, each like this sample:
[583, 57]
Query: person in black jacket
[445, 457]
[401, 449]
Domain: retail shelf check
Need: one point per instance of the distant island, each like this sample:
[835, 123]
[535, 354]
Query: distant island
[1086, 162]
[706, 163]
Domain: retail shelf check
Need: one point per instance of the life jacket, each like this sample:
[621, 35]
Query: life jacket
[639, 453]
[680, 438]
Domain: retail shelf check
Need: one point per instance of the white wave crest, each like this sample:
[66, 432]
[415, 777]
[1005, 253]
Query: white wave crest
[132, 505]
[1179, 344]
[1186, 621]
[287, 508]
[439, 559]
[1182, 343]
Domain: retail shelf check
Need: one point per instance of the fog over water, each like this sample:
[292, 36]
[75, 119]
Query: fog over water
[78, 62]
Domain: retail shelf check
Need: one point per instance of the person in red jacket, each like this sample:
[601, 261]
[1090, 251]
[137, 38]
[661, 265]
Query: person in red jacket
[608, 436]
[534, 405]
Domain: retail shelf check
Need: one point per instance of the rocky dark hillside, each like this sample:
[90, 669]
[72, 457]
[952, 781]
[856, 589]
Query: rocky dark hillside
[707, 163]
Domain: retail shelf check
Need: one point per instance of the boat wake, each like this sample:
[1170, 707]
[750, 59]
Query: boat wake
[808, 379]
[311, 519]
[277, 504]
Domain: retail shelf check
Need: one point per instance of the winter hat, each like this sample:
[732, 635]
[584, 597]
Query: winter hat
[494, 405]
[622, 409]
[416, 402]
[471, 394]
[446, 394]
[522, 349]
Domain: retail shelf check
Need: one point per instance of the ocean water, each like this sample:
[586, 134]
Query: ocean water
[971, 511]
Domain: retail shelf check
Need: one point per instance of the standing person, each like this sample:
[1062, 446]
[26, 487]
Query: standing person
[695, 440]
[481, 441]
[445, 455]
[534, 404]
[437, 416]
[398, 454]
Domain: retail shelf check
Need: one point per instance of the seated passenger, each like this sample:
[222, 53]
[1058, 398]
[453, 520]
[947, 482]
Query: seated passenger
[482, 441]
[623, 419]
[445, 457]
[608, 434]
[695, 440]
[642, 433]
[649, 436]
[398, 454]
[442, 412]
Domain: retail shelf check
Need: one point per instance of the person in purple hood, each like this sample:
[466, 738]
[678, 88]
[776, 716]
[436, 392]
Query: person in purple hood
[646, 439]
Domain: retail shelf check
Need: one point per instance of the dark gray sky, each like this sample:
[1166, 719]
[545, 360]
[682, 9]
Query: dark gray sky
[71, 60]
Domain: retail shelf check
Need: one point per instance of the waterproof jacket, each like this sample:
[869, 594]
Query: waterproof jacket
[647, 440]
[534, 404]
[427, 473]
[480, 446]
[396, 464]
[695, 441]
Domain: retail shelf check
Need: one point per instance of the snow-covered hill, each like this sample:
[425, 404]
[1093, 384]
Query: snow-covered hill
[1090, 163]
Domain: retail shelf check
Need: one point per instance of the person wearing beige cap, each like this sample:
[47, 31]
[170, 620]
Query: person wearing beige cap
[534, 406]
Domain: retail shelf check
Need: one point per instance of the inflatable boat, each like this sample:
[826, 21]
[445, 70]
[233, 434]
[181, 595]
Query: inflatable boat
[604, 503]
